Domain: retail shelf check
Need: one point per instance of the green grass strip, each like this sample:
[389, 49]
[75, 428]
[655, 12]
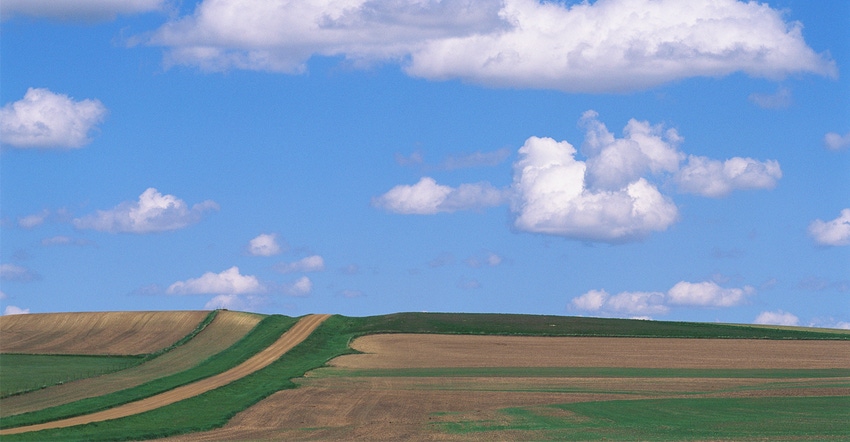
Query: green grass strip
[763, 418]
[585, 372]
[542, 325]
[22, 373]
[263, 335]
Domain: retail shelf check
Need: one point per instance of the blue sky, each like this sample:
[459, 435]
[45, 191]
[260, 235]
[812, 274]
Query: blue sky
[625, 158]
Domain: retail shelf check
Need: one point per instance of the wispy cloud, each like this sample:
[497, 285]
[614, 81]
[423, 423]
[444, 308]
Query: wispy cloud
[781, 99]
[153, 212]
[78, 10]
[835, 141]
[427, 198]
[314, 263]
[14, 272]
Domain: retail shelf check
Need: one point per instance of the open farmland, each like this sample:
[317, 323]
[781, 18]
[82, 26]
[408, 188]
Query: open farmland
[225, 330]
[562, 379]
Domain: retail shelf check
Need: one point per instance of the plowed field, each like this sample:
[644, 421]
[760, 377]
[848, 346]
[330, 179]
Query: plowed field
[287, 341]
[365, 397]
[227, 328]
[99, 333]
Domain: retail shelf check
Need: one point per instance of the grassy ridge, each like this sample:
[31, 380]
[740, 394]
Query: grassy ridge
[266, 332]
[331, 339]
[542, 325]
[766, 418]
[21, 373]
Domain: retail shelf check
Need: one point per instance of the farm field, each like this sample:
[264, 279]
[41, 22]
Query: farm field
[223, 331]
[500, 377]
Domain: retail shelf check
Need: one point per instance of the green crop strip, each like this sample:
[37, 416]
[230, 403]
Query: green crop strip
[266, 332]
[22, 373]
[766, 418]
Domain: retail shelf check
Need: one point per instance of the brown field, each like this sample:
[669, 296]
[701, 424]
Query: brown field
[340, 407]
[287, 341]
[427, 351]
[99, 333]
[227, 328]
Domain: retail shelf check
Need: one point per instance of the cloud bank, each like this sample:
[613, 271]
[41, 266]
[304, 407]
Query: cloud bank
[683, 294]
[610, 196]
[604, 46]
[153, 212]
[43, 119]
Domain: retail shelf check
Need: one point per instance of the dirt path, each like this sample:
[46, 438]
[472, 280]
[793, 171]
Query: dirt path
[287, 341]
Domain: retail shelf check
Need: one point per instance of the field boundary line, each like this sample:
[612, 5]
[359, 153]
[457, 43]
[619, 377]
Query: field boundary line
[292, 337]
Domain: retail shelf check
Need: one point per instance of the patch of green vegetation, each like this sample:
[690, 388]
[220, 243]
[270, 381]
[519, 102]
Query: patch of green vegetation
[263, 335]
[21, 373]
[541, 325]
[584, 372]
[764, 418]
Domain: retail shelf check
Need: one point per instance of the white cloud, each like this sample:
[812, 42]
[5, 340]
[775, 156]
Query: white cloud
[491, 260]
[604, 46]
[314, 263]
[552, 198]
[301, 287]
[779, 100]
[153, 212]
[264, 245]
[700, 294]
[777, 318]
[834, 232]
[43, 119]
[836, 141]
[14, 272]
[13, 310]
[34, 220]
[427, 197]
[228, 282]
[85, 10]
[468, 284]
[707, 294]
[713, 178]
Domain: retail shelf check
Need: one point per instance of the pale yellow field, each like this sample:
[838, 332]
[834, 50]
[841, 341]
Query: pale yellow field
[98, 333]
[227, 328]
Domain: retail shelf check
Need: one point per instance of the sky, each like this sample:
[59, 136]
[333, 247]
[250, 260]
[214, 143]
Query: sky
[653, 159]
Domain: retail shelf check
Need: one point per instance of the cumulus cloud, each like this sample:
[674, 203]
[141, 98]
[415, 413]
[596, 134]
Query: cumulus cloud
[836, 141]
[300, 287]
[14, 272]
[686, 294]
[228, 282]
[603, 46]
[834, 232]
[610, 196]
[13, 310]
[313, 263]
[264, 245]
[43, 119]
[777, 318]
[551, 197]
[714, 178]
[82, 10]
[779, 100]
[153, 212]
[427, 197]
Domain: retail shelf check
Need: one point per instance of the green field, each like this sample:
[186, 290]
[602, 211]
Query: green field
[656, 419]
[22, 373]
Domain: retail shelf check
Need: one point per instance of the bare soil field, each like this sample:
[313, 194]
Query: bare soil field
[411, 408]
[287, 341]
[428, 351]
[227, 328]
[97, 333]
